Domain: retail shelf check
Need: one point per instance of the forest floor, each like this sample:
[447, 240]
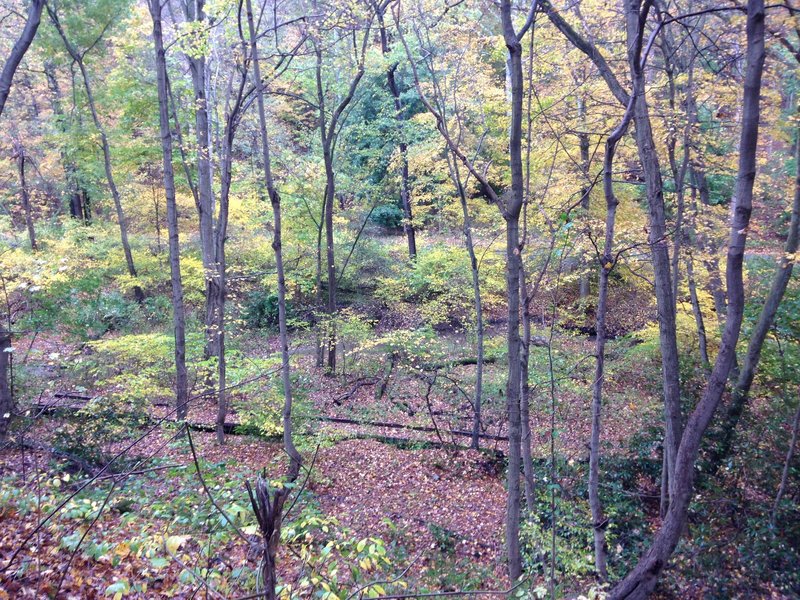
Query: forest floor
[384, 467]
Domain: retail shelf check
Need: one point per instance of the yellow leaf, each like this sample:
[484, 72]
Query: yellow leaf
[175, 541]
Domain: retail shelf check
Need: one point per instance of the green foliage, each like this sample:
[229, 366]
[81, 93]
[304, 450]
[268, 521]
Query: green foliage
[337, 564]
[261, 309]
[388, 215]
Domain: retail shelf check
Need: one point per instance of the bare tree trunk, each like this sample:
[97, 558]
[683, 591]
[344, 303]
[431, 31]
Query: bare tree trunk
[6, 397]
[76, 195]
[218, 283]
[583, 144]
[178, 315]
[405, 196]
[697, 311]
[19, 151]
[275, 200]
[476, 294]
[525, 394]
[328, 129]
[320, 345]
[787, 464]
[641, 581]
[329, 249]
[194, 11]
[607, 262]
[659, 243]
[780, 280]
[112, 186]
[512, 214]
[655, 198]
[20, 48]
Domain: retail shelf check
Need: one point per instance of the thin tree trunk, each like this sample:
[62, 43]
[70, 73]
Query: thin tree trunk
[112, 186]
[194, 11]
[329, 249]
[697, 312]
[641, 581]
[476, 295]
[74, 191]
[178, 315]
[328, 136]
[6, 397]
[20, 48]
[512, 213]
[787, 464]
[320, 345]
[583, 145]
[525, 395]
[405, 196]
[275, 200]
[659, 243]
[607, 261]
[19, 150]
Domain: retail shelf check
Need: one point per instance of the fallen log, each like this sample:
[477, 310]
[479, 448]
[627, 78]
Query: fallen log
[390, 425]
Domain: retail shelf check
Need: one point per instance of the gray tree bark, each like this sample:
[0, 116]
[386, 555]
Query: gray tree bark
[641, 581]
[178, 313]
[476, 295]
[328, 130]
[195, 13]
[275, 200]
[635, 15]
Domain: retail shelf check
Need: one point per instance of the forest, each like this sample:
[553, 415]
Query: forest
[347, 299]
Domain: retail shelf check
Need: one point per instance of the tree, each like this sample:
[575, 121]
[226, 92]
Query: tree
[24, 192]
[510, 210]
[78, 58]
[329, 124]
[178, 316]
[641, 580]
[20, 48]
[400, 116]
[275, 200]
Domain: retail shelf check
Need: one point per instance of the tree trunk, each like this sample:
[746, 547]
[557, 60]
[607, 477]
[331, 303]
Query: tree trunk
[275, 200]
[75, 193]
[659, 242]
[112, 186]
[405, 196]
[194, 11]
[178, 316]
[476, 294]
[525, 395]
[19, 150]
[20, 48]
[512, 213]
[331, 308]
[6, 397]
[320, 345]
[607, 260]
[218, 282]
[780, 280]
[697, 312]
[583, 145]
[641, 581]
